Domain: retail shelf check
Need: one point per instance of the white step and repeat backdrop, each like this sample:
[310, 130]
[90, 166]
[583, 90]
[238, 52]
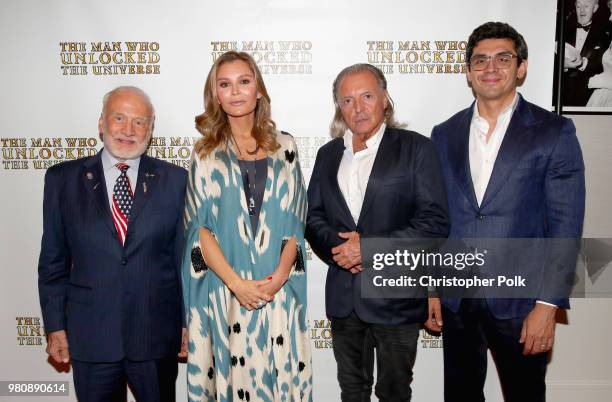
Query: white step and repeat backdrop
[60, 57]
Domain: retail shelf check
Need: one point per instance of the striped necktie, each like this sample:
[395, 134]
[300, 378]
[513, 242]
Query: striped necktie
[122, 201]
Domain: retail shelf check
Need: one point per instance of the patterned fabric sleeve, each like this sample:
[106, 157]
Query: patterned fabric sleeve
[295, 219]
[294, 224]
[198, 213]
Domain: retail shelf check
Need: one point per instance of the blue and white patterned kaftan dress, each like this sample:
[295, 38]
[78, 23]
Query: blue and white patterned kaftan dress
[235, 354]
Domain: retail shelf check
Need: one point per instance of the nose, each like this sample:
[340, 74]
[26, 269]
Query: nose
[358, 105]
[130, 128]
[490, 65]
[235, 89]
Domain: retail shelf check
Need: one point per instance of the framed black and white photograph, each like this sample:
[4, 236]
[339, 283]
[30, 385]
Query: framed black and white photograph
[584, 29]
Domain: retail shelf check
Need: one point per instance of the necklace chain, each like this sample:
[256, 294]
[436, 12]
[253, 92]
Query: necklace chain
[250, 182]
[252, 153]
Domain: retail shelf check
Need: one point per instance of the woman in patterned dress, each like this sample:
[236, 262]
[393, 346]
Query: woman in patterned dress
[602, 96]
[244, 281]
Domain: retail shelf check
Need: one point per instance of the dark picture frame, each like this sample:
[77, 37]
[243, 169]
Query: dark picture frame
[583, 59]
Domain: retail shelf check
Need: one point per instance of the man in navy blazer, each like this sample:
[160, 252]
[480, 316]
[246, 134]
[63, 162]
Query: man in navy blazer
[512, 170]
[373, 180]
[110, 296]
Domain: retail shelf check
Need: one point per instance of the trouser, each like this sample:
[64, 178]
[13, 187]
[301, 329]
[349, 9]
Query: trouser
[467, 336]
[354, 342]
[149, 380]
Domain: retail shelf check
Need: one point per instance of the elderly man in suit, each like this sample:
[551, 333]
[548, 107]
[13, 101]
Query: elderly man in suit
[109, 279]
[373, 179]
[585, 42]
[514, 170]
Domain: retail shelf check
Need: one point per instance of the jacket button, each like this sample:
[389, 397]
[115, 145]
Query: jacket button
[124, 261]
[480, 217]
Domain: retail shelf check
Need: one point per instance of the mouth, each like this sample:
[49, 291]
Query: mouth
[490, 80]
[125, 141]
[237, 103]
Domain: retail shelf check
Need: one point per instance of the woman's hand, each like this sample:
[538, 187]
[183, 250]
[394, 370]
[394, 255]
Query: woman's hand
[250, 293]
[274, 283]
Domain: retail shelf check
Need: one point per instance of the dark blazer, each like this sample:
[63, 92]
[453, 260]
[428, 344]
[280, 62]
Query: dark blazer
[114, 301]
[405, 197]
[536, 189]
[576, 91]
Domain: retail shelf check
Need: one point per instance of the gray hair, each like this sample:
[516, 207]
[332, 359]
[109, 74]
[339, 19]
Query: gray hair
[338, 127]
[130, 89]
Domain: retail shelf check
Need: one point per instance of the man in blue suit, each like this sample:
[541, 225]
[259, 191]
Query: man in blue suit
[512, 170]
[109, 279]
[374, 179]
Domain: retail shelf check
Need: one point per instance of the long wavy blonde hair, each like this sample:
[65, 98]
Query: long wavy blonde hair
[214, 125]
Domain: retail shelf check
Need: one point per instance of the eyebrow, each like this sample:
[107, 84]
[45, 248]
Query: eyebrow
[239, 77]
[502, 52]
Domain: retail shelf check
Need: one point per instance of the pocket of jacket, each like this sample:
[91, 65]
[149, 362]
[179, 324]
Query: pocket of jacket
[79, 294]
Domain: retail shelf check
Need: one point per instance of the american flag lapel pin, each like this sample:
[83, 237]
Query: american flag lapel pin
[144, 187]
[90, 176]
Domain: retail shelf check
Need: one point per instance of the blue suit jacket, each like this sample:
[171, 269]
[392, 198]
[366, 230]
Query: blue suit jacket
[404, 198]
[114, 301]
[536, 189]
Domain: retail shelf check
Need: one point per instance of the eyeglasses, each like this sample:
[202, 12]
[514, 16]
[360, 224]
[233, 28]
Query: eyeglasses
[501, 60]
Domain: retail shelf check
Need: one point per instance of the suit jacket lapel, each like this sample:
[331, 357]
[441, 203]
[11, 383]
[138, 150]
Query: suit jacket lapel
[459, 155]
[93, 176]
[570, 32]
[145, 186]
[335, 158]
[512, 149]
[385, 158]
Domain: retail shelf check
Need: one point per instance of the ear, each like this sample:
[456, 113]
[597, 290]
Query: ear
[386, 100]
[522, 70]
[101, 125]
[259, 95]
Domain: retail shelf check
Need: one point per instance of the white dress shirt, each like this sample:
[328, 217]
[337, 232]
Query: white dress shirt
[111, 172]
[581, 36]
[355, 168]
[482, 152]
